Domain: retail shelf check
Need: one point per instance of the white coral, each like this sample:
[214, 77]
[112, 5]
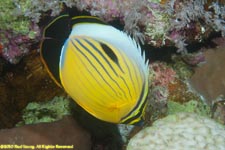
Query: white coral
[183, 131]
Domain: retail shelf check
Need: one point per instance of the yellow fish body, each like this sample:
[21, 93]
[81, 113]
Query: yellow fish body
[99, 66]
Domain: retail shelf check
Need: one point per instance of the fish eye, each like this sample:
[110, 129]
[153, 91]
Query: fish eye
[177, 20]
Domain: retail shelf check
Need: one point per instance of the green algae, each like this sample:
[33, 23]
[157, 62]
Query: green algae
[48, 111]
[193, 106]
[12, 16]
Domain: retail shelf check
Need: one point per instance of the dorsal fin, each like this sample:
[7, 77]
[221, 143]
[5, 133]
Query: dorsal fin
[50, 55]
[86, 19]
[59, 28]
[54, 36]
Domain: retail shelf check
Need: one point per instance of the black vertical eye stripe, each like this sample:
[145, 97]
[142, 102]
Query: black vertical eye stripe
[94, 68]
[85, 48]
[109, 52]
[111, 57]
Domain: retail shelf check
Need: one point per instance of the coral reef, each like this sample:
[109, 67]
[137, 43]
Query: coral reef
[156, 22]
[171, 92]
[161, 74]
[181, 92]
[193, 20]
[159, 22]
[185, 131]
[48, 111]
[183, 67]
[22, 83]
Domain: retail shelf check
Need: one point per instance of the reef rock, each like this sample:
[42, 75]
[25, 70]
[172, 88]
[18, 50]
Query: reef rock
[22, 83]
[65, 132]
[209, 79]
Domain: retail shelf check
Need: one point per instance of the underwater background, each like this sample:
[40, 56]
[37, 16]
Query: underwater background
[184, 43]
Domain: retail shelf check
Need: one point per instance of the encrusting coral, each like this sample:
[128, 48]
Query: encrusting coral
[17, 32]
[194, 20]
[160, 77]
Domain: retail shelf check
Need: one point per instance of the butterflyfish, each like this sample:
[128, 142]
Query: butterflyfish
[102, 68]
